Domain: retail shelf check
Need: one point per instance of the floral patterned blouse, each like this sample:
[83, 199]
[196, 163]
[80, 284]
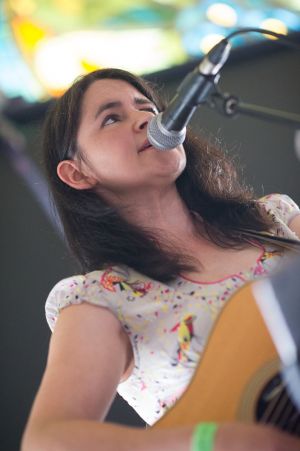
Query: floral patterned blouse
[167, 323]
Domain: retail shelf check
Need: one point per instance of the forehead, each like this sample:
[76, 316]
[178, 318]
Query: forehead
[103, 91]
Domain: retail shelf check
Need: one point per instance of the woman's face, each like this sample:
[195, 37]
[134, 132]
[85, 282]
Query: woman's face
[113, 139]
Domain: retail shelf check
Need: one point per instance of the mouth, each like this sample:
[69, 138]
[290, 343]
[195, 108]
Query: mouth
[145, 146]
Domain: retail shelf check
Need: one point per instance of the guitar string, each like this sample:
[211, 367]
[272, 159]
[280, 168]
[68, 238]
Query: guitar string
[296, 426]
[274, 398]
[291, 422]
[293, 425]
[283, 405]
[278, 406]
[287, 414]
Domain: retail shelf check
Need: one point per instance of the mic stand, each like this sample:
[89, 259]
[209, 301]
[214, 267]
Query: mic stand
[230, 106]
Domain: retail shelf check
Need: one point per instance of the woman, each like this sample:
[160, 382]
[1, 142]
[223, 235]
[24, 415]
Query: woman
[158, 237]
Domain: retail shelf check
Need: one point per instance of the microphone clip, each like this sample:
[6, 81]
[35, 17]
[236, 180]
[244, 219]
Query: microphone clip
[230, 105]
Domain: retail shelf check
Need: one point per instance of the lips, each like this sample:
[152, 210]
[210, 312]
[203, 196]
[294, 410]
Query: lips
[145, 146]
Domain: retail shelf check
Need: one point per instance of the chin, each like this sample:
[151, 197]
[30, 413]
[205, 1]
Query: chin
[170, 163]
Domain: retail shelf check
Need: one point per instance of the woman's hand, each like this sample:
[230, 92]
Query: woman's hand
[251, 437]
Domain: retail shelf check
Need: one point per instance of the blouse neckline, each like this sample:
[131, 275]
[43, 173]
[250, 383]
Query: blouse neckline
[241, 275]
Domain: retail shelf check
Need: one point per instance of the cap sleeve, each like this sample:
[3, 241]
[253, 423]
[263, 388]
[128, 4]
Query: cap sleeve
[282, 209]
[280, 205]
[97, 288]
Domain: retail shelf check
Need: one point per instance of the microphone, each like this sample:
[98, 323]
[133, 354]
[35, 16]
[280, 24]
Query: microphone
[168, 129]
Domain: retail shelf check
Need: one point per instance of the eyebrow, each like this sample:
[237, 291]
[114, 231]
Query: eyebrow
[118, 104]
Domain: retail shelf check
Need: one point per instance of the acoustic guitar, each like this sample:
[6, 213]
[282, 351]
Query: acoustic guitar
[238, 378]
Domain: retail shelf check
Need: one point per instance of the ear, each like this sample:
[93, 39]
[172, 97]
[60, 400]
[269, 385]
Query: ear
[71, 174]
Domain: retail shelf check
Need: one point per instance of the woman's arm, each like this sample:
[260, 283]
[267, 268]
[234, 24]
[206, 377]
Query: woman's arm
[88, 355]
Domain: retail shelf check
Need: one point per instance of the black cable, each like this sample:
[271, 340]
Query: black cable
[230, 105]
[282, 37]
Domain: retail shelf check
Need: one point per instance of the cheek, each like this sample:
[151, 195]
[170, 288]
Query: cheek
[177, 162]
[115, 169]
[182, 163]
[111, 157]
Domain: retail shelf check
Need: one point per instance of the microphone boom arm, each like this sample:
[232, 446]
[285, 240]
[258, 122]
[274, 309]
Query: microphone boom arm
[230, 106]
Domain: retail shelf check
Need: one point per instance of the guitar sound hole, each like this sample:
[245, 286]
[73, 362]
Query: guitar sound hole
[275, 407]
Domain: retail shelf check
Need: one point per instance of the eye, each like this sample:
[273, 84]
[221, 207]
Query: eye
[151, 109]
[110, 119]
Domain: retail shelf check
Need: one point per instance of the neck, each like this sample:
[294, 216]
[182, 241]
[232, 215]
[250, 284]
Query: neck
[162, 212]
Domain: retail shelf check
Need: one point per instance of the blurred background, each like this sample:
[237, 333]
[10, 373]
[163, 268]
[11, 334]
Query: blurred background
[44, 46]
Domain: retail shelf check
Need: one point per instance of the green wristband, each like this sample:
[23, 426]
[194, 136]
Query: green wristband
[204, 436]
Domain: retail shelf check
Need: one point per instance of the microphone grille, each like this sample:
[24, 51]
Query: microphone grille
[161, 138]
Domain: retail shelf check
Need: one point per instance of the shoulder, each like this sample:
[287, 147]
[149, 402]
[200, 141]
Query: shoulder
[285, 214]
[108, 288]
[281, 206]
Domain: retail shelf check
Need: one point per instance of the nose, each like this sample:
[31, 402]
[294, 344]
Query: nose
[141, 120]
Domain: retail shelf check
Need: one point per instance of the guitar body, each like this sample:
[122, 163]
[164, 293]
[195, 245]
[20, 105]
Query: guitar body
[237, 364]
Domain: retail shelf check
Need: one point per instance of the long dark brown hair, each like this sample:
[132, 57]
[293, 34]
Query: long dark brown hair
[96, 232]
